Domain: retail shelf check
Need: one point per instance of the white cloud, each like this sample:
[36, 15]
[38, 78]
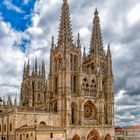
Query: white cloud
[11, 59]
[11, 6]
[26, 1]
[84, 32]
[120, 94]
[134, 16]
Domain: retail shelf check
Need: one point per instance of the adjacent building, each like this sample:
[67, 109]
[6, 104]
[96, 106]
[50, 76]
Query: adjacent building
[127, 133]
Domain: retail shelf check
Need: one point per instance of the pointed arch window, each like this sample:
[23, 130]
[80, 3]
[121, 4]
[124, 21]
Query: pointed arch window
[10, 127]
[74, 113]
[4, 127]
[38, 97]
[55, 108]
[73, 84]
[56, 85]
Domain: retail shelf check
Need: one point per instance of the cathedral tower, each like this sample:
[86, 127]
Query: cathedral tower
[65, 60]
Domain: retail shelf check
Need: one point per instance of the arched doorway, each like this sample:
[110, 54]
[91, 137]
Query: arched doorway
[76, 137]
[108, 137]
[93, 135]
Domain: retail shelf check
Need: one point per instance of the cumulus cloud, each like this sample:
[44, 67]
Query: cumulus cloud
[120, 27]
[11, 59]
[9, 5]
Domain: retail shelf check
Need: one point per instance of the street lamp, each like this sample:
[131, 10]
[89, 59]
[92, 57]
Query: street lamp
[35, 129]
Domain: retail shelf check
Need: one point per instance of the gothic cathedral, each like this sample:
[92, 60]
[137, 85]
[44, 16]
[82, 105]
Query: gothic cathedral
[80, 86]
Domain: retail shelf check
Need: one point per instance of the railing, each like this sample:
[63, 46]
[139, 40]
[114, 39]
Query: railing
[89, 92]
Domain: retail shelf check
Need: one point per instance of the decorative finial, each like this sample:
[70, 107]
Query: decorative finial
[96, 12]
[65, 1]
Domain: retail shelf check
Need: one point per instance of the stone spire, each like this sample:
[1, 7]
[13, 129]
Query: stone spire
[15, 101]
[96, 44]
[78, 41]
[109, 62]
[65, 29]
[36, 67]
[43, 70]
[52, 43]
[24, 71]
[28, 68]
[9, 101]
[39, 74]
[84, 54]
[108, 51]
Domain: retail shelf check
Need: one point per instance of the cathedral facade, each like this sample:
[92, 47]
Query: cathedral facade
[76, 101]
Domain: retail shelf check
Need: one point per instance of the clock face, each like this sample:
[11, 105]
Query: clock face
[88, 111]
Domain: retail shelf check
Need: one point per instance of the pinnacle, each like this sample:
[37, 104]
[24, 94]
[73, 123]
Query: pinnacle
[52, 44]
[108, 50]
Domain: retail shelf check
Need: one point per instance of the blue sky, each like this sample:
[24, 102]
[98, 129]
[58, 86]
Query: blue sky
[17, 12]
[26, 27]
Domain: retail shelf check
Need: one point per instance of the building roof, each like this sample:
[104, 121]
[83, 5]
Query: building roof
[130, 128]
[38, 127]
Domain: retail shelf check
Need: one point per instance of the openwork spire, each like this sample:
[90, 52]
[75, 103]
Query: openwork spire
[65, 29]
[96, 38]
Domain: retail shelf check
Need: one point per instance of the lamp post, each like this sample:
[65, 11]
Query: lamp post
[35, 129]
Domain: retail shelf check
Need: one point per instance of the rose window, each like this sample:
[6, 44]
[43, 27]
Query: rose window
[88, 111]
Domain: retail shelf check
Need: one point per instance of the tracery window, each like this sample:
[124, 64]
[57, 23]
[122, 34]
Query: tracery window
[90, 110]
